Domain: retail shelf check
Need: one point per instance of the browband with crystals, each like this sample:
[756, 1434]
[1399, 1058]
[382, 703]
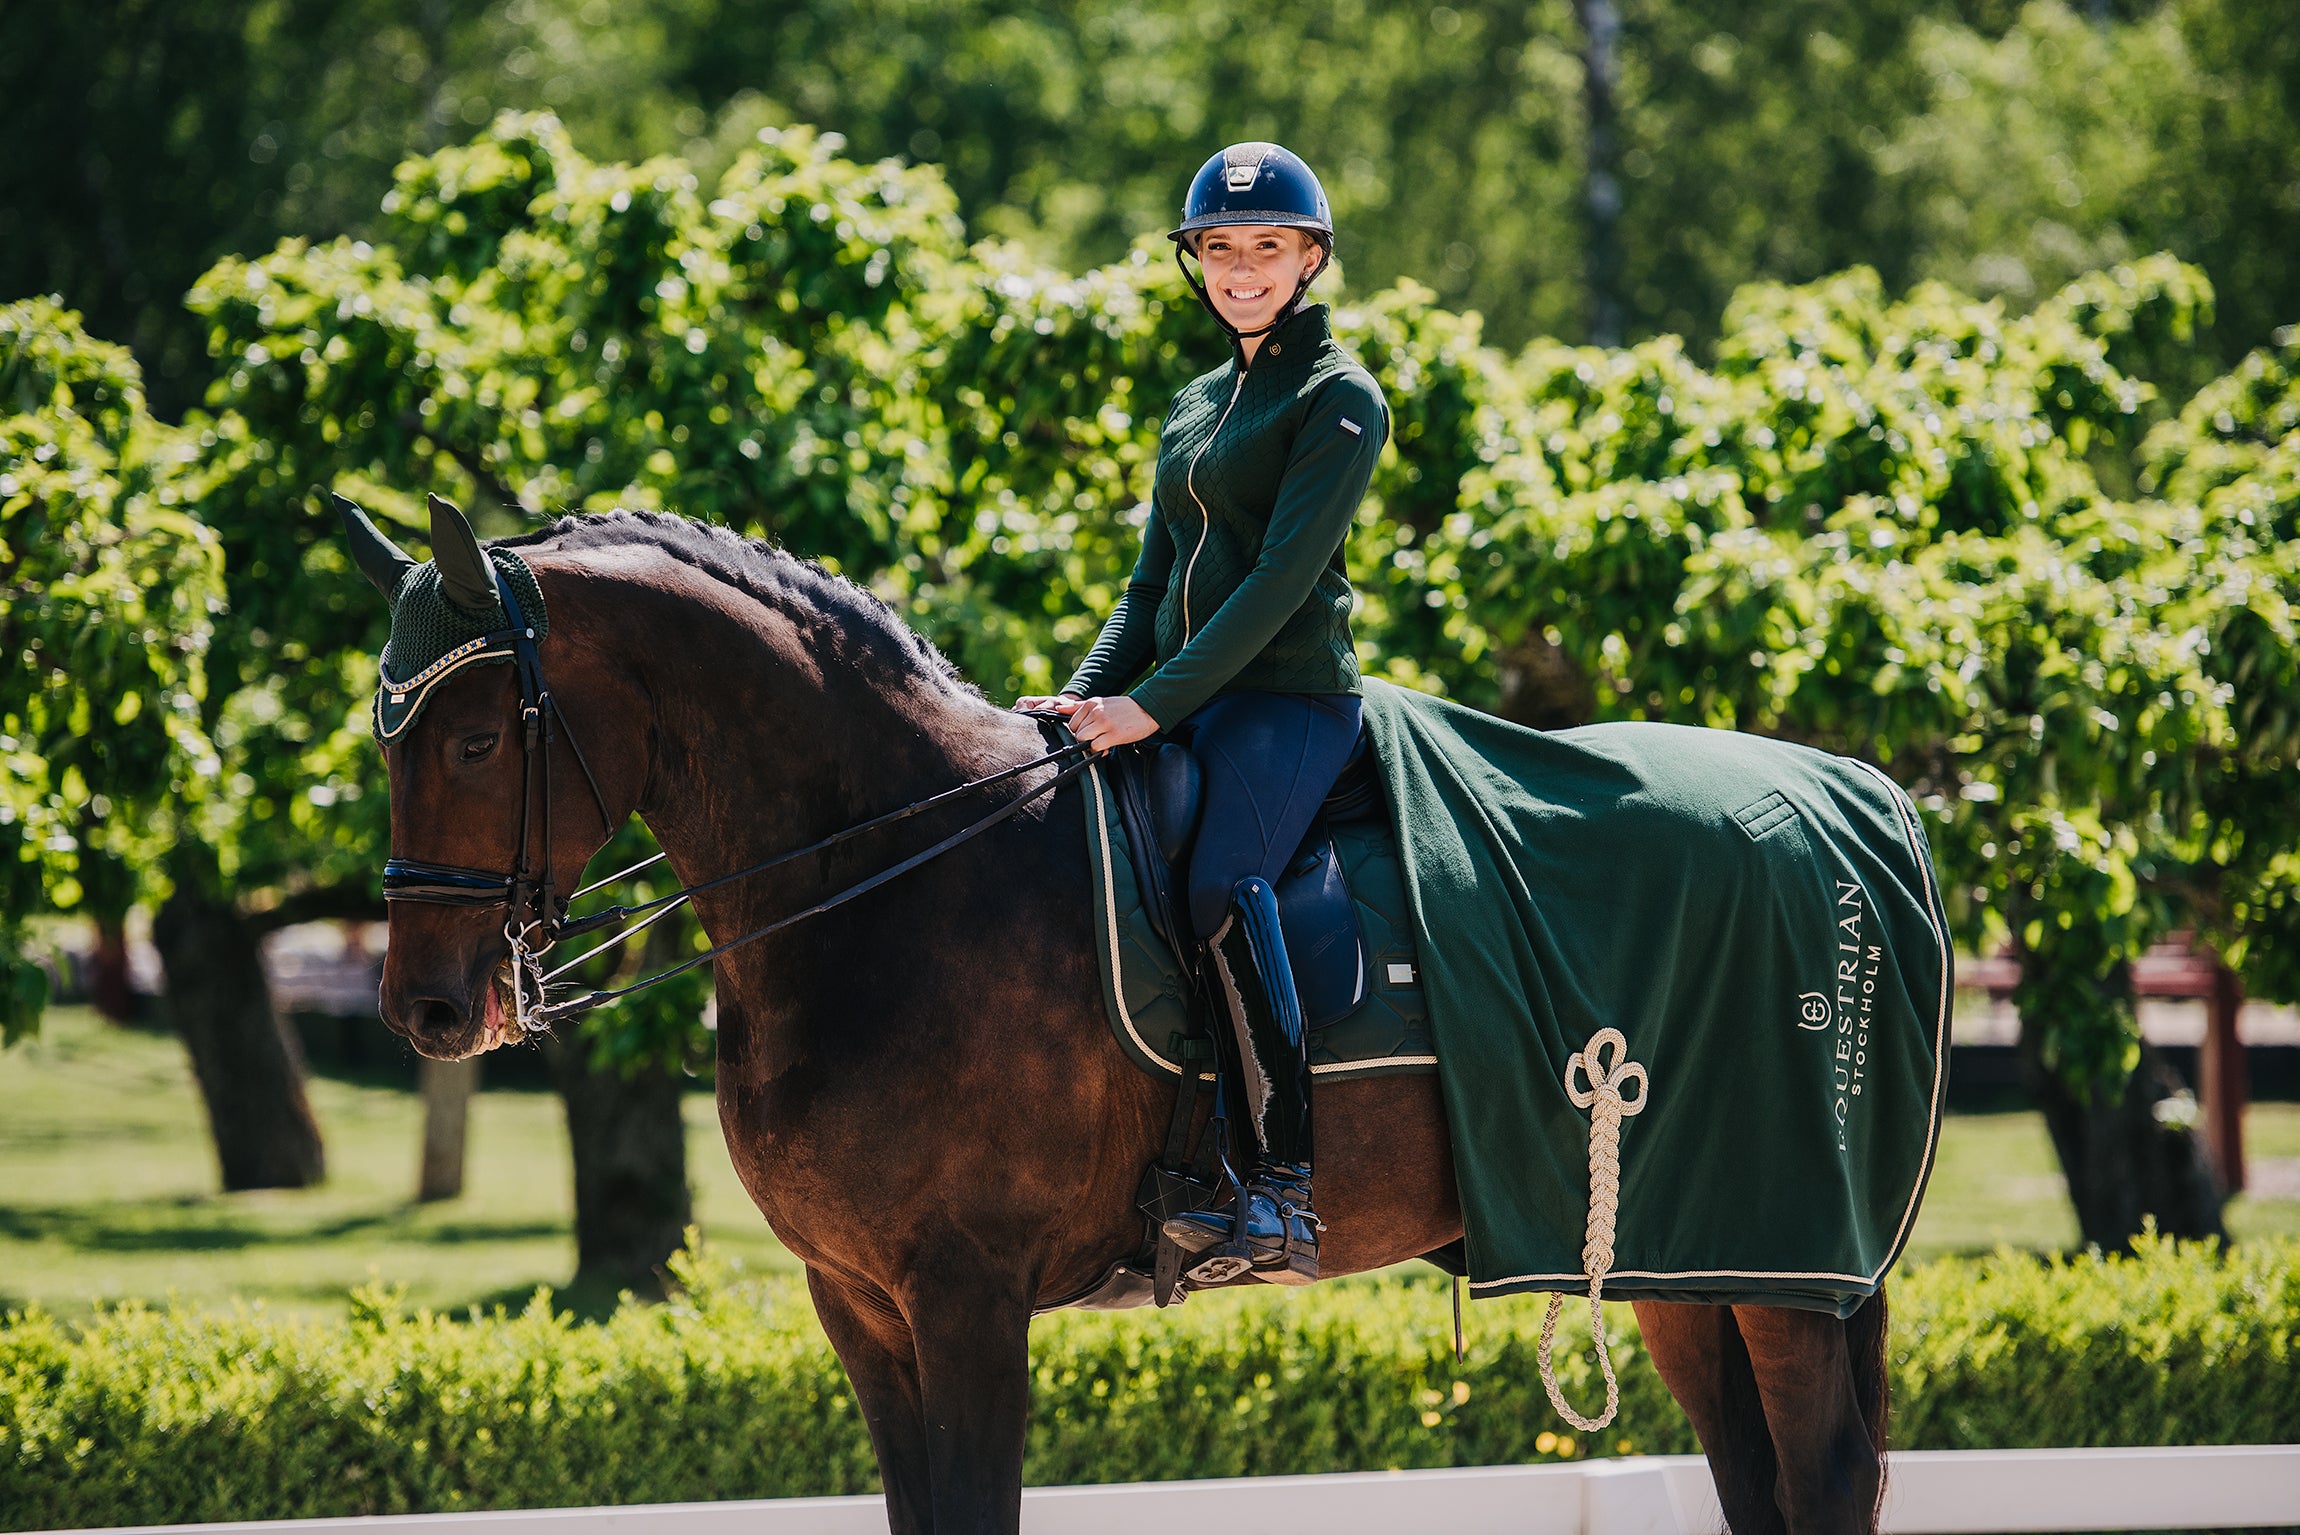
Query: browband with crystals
[404, 700]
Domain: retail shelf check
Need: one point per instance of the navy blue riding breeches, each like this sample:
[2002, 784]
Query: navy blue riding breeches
[1269, 760]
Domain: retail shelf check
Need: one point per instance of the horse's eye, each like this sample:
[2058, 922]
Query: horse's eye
[477, 747]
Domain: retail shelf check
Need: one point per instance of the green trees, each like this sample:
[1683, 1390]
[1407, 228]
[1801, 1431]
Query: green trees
[111, 592]
[2002, 148]
[2059, 146]
[1976, 547]
[1882, 528]
[176, 131]
[119, 749]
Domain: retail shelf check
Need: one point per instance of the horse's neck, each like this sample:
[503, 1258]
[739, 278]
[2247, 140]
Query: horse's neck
[770, 729]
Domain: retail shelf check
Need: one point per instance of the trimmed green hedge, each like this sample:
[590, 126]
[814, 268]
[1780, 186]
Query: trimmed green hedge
[147, 1416]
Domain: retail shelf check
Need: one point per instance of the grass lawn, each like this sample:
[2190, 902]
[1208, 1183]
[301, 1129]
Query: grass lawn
[107, 1189]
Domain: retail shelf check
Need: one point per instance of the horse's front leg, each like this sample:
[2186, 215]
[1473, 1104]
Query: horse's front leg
[874, 1342]
[973, 1332]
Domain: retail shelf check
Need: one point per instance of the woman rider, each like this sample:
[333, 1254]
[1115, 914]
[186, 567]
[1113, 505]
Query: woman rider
[1242, 602]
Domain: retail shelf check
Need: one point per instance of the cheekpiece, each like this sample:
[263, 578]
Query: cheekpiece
[432, 638]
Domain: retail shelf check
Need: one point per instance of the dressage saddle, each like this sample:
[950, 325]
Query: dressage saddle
[1159, 790]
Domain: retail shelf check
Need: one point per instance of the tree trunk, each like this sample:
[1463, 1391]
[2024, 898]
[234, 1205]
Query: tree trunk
[250, 1069]
[447, 1089]
[109, 988]
[2220, 1075]
[632, 1205]
[1541, 687]
[110, 891]
[1601, 175]
[2127, 1154]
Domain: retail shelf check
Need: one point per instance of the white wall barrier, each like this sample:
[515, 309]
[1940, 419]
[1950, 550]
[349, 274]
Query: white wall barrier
[1932, 1492]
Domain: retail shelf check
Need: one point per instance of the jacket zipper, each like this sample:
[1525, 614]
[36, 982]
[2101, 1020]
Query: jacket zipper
[1205, 521]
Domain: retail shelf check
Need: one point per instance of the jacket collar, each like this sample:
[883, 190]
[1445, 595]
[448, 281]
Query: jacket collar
[1294, 343]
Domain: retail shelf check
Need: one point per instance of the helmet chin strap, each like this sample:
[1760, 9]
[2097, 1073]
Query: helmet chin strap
[1302, 286]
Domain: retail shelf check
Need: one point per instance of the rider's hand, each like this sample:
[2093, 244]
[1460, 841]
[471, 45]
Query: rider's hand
[1060, 703]
[1103, 723]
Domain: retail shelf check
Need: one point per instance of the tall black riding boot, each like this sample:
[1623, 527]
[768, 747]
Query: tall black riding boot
[1271, 1228]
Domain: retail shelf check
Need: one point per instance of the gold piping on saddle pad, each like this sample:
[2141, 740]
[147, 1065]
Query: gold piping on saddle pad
[1607, 1108]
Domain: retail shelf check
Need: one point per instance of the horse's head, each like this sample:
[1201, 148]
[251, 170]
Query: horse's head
[493, 806]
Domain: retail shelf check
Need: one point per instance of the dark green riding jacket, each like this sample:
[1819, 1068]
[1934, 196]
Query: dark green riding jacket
[1241, 583]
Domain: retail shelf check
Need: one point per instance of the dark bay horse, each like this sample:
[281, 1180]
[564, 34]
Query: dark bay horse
[919, 1088]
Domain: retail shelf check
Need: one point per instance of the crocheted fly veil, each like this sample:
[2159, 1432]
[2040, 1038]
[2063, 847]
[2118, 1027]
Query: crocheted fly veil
[442, 610]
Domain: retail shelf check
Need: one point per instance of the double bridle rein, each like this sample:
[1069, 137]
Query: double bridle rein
[536, 917]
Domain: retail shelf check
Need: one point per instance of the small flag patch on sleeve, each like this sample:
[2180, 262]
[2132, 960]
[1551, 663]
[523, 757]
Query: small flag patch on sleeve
[1352, 427]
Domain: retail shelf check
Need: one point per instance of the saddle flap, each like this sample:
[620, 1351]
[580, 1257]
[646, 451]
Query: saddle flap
[1158, 792]
[1320, 922]
[1175, 786]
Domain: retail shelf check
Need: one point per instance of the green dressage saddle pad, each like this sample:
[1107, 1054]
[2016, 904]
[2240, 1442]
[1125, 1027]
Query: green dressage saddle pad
[1142, 987]
[1744, 937]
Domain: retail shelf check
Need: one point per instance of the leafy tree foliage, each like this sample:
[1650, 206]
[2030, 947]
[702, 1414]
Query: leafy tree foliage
[2003, 149]
[2058, 146]
[1878, 527]
[110, 594]
[1971, 545]
[185, 129]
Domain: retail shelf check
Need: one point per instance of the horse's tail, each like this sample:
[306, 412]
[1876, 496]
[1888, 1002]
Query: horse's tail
[1865, 1344]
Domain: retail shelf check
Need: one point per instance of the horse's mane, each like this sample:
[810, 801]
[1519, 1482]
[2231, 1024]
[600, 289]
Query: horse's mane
[774, 577]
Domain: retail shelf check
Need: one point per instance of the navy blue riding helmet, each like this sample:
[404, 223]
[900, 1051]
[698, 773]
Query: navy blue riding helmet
[1254, 184]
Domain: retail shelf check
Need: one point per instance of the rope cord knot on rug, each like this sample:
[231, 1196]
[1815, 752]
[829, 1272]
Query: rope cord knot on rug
[1607, 1108]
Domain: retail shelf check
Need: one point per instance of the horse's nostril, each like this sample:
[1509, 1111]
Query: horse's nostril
[434, 1017]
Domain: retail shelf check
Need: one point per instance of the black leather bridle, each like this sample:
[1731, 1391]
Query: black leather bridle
[535, 915]
[528, 894]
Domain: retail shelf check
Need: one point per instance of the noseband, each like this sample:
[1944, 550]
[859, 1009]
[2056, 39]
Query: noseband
[535, 915]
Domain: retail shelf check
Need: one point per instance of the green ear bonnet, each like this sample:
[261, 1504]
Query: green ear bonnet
[433, 638]
[463, 606]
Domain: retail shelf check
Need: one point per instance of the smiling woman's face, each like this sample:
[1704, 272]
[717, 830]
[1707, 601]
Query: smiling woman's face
[1252, 269]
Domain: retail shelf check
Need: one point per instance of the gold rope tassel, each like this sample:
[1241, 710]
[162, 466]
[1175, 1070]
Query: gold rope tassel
[1607, 1108]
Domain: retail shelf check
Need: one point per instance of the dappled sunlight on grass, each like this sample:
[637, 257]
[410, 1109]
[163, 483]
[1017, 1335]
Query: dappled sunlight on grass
[111, 1190]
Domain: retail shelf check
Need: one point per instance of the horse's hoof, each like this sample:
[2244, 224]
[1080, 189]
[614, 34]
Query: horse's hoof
[1220, 1269]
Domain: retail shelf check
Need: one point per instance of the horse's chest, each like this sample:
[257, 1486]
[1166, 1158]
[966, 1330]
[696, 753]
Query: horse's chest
[809, 1175]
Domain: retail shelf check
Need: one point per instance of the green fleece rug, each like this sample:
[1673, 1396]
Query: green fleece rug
[1760, 923]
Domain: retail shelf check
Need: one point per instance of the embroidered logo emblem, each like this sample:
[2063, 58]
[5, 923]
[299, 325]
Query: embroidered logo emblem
[1847, 1012]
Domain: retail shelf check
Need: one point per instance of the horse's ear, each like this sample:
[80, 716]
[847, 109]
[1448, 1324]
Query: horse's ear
[378, 558]
[464, 573]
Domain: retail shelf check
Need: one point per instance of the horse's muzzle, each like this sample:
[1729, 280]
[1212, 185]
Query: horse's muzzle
[448, 1014]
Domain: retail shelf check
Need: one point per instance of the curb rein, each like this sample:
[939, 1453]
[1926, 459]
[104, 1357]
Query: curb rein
[536, 917]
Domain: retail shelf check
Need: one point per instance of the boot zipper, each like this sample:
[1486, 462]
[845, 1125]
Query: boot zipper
[1190, 479]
